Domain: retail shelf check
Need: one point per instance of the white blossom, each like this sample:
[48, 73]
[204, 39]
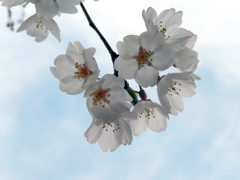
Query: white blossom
[10, 3]
[109, 135]
[171, 88]
[168, 22]
[107, 100]
[39, 28]
[75, 70]
[47, 9]
[150, 114]
[141, 57]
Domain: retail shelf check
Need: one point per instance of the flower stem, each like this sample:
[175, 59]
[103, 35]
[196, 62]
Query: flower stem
[112, 53]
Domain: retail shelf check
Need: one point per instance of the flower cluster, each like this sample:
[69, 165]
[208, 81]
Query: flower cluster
[39, 24]
[116, 111]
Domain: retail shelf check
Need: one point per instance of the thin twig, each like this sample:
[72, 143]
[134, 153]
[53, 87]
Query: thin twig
[112, 53]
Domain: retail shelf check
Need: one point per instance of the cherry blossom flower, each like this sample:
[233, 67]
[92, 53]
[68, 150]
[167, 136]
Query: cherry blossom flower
[171, 88]
[10, 3]
[141, 57]
[150, 114]
[75, 70]
[107, 100]
[168, 23]
[109, 135]
[47, 9]
[40, 28]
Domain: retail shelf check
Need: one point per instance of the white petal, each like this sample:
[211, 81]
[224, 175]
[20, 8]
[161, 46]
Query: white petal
[127, 69]
[104, 113]
[147, 76]
[158, 123]
[163, 58]
[151, 40]
[139, 126]
[177, 101]
[127, 132]
[72, 88]
[68, 6]
[179, 36]
[111, 80]
[93, 87]
[93, 133]
[27, 23]
[89, 60]
[46, 9]
[125, 51]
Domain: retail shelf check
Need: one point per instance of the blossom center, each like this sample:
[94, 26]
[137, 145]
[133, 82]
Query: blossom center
[82, 72]
[114, 127]
[175, 88]
[148, 113]
[40, 26]
[101, 96]
[162, 29]
[143, 57]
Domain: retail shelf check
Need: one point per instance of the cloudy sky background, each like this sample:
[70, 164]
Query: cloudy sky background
[41, 128]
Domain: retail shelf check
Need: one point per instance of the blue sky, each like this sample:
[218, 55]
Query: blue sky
[41, 128]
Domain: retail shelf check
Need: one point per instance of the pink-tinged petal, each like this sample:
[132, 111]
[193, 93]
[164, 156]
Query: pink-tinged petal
[147, 76]
[46, 9]
[139, 126]
[163, 58]
[125, 51]
[93, 133]
[152, 39]
[127, 132]
[127, 69]
[27, 23]
[111, 80]
[158, 123]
